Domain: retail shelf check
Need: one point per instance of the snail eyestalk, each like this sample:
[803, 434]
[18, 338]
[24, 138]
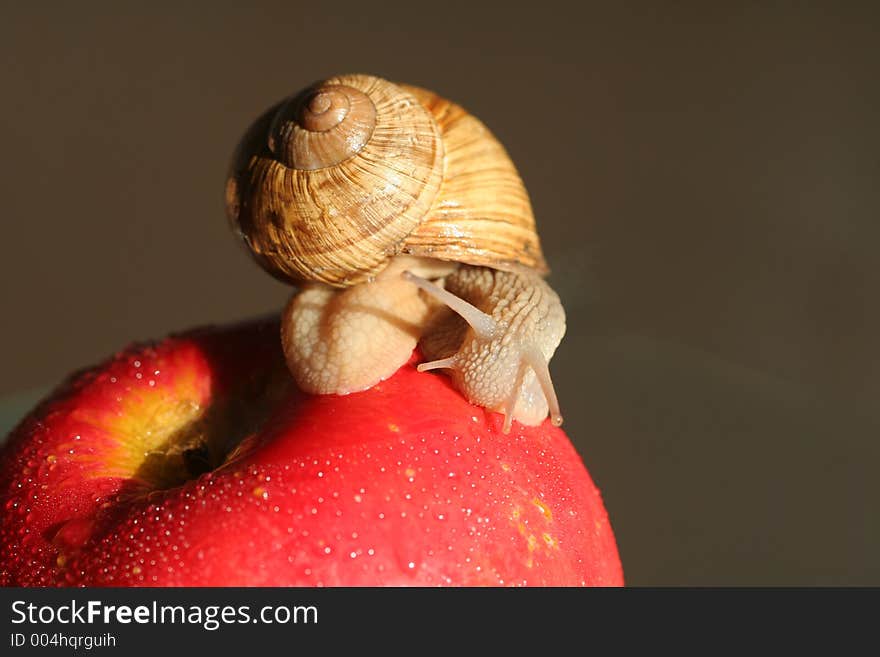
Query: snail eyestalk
[542, 371]
[483, 325]
[443, 363]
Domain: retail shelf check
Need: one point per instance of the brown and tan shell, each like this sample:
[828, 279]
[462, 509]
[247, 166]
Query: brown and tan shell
[330, 184]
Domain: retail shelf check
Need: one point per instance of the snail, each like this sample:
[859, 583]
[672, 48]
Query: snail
[402, 221]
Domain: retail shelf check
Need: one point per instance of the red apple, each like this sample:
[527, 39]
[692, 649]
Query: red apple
[195, 462]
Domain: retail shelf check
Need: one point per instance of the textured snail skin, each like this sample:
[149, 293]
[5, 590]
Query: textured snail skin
[342, 341]
[497, 348]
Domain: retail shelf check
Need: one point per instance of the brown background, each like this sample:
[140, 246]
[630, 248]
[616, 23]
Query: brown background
[706, 186]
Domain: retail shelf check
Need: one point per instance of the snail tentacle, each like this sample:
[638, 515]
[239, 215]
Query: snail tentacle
[443, 363]
[539, 366]
[483, 324]
[510, 407]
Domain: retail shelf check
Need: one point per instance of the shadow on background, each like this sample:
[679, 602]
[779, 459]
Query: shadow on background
[705, 183]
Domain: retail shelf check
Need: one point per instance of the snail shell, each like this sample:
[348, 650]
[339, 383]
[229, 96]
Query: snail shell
[333, 182]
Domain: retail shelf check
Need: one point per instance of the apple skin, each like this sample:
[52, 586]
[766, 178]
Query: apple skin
[195, 462]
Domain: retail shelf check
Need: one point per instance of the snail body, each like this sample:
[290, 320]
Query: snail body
[361, 192]
[341, 341]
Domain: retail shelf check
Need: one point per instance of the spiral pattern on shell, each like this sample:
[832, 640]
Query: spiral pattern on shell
[344, 173]
[322, 127]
